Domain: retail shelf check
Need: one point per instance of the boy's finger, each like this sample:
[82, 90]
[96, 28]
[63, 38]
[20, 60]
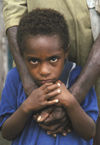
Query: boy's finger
[51, 88]
[52, 102]
[45, 85]
[53, 93]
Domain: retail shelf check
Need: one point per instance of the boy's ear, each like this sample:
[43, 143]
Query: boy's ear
[66, 54]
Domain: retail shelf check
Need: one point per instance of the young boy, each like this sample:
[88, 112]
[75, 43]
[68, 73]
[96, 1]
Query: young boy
[43, 41]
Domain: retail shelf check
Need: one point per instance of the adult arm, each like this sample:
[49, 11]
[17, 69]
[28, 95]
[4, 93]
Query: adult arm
[89, 74]
[13, 11]
[27, 81]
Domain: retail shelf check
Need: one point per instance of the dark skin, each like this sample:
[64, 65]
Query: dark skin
[79, 90]
[82, 123]
[37, 100]
[41, 55]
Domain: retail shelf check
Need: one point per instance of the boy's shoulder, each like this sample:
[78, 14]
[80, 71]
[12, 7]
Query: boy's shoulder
[70, 73]
[13, 72]
[13, 76]
[74, 73]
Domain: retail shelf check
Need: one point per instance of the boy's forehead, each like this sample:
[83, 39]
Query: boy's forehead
[43, 47]
[43, 41]
[43, 37]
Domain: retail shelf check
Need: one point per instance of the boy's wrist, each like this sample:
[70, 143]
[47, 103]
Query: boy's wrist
[71, 103]
[25, 107]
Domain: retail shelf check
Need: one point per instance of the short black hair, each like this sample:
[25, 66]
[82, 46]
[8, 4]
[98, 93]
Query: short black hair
[42, 22]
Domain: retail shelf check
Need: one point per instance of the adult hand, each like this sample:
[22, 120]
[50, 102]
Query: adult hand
[54, 120]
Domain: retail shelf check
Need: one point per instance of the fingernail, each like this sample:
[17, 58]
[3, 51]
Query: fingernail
[59, 91]
[39, 118]
[57, 100]
[58, 84]
[54, 135]
[64, 134]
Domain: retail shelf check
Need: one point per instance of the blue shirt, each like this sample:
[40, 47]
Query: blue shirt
[12, 97]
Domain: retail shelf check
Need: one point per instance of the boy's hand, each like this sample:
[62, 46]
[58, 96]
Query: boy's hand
[55, 119]
[65, 98]
[41, 97]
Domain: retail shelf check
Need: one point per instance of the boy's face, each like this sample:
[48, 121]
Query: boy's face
[44, 57]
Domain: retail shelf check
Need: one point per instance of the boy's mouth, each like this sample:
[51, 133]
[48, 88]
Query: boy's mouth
[41, 82]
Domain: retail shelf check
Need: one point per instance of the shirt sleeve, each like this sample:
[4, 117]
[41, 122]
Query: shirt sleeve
[90, 104]
[8, 103]
[13, 11]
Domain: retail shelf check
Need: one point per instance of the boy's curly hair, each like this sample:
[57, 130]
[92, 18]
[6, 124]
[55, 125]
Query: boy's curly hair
[42, 22]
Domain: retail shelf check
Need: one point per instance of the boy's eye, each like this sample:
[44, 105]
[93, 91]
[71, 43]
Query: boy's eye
[53, 59]
[33, 61]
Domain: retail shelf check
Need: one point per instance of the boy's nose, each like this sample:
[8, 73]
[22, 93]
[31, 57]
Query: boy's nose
[44, 70]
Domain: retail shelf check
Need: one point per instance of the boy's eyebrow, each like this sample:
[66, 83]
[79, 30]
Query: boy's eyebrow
[29, 57]
[57, 56]
[32, 56]
[49, 57]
